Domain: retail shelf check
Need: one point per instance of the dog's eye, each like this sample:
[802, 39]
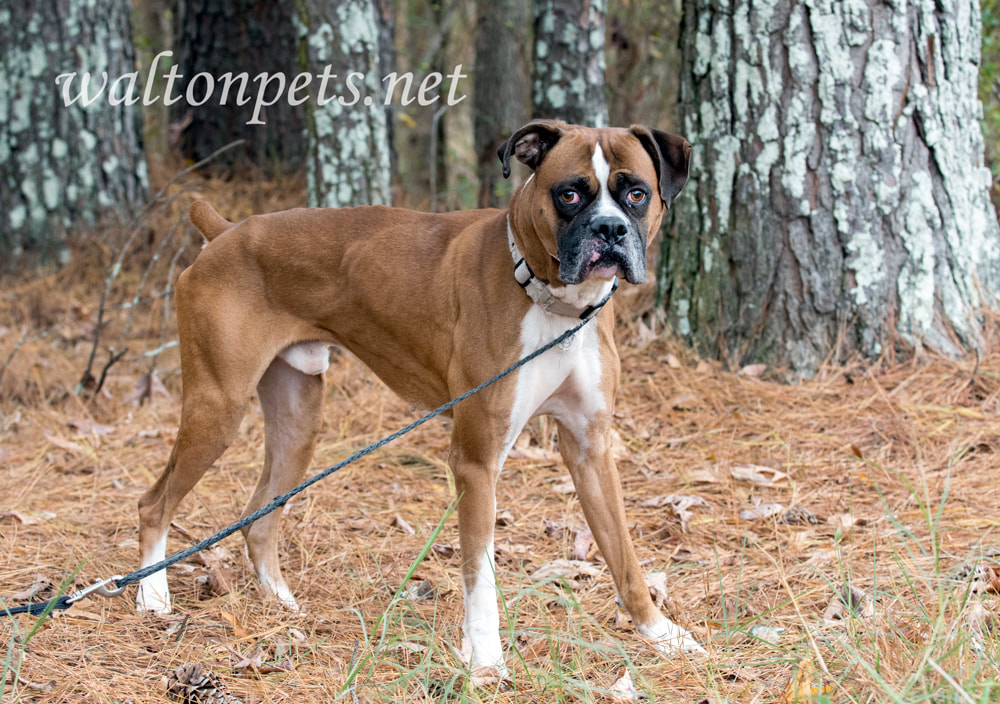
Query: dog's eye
[636, 195]
[569, 196]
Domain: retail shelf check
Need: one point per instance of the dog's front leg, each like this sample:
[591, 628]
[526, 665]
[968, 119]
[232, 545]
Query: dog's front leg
[585, 446]
[475, 462]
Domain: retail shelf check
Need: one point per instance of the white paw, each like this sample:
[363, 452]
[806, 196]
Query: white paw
[669, 638]
[153, 597]
[488, 670]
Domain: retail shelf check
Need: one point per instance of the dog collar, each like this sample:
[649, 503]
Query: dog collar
[541, 294]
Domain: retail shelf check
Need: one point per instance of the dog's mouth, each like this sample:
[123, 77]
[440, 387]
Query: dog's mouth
[601, 260]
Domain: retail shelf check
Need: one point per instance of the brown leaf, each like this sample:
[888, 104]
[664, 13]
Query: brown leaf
[623, 690]
[504, 518]
[41, 588]
[681, 506]
[849, 602]
[22, 518]
[89, 427]
[760, 475]
[683, 402]
[399, 522]
[761, 511]
[753, 370]
[567, 570]
[584, 547]
[799, 689]
[444, 550]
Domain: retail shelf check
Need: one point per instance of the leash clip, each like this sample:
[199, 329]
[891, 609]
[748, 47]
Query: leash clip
[100, 587]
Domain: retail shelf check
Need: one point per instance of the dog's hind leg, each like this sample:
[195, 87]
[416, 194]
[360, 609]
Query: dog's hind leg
[209, 421]
[292, 404]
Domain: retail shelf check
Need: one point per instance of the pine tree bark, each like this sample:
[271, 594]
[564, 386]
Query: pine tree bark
[348, 158]
[500, 89]
[64, 167]
[217, 37]
[568, 62]
[839, 200]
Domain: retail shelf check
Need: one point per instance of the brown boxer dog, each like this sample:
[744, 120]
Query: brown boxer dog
[434, 304]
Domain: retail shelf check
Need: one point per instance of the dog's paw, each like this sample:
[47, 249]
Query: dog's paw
[669, 638]
[151, 601]
[489, 676]
[488, 672]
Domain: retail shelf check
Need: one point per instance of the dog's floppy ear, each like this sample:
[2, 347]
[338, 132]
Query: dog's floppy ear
[530, 143]
[671, 156]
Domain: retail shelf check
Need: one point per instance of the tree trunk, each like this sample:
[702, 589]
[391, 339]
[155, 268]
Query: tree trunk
[64, 167]
[218, 37]
[500, 89]
[348, 155]
[839, 200]
[568, 60]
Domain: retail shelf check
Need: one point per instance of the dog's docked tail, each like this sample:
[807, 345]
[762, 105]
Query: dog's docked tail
[209, 222]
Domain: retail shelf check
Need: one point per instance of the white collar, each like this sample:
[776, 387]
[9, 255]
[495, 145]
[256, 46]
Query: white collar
[541, 294]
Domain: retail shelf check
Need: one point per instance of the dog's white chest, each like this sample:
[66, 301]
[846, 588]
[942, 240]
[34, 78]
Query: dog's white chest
[564, 381]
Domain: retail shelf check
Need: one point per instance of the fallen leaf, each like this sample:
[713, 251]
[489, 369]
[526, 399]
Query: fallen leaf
[67, 445]
[23, 518]
[843, 522]
[563, 485]
[657, 584]
[799, 689]
[511, 548]
[703, 367]
[147, 386]
[683, 402]
[89, 427]
[566, 570]
[399, 522]
[849, 602]
[446, 551]
[761, 511]
[524, 450]
[40, 588]
[238, 630]
[680, 504]
[504, 518]
[584, 547]
[760, 475]
[623, 690]
[672, 361]
[797, 516]
[752, 370]
[423, 590]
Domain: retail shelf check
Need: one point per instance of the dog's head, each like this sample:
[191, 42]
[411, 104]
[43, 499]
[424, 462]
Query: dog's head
[595, 198]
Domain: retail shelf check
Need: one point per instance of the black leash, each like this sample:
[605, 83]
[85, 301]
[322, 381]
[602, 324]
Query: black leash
[118, 583]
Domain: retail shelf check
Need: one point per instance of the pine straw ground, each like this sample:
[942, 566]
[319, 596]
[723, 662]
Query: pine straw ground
[896, 462]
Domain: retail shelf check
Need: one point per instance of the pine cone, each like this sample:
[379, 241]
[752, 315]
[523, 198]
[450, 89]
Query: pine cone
[193, 684]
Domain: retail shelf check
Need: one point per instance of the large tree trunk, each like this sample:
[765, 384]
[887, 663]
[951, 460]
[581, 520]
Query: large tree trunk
[839, 200]
[568, 62]
[348, 158]
[64, 167]
[500, 89]
[242, 36]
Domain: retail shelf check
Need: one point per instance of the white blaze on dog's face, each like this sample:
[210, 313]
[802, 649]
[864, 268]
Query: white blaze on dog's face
[603, 193]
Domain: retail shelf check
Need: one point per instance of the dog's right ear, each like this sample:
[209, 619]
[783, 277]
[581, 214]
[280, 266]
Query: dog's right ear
[530, 143]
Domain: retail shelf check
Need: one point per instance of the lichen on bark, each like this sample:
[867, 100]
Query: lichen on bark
[65, 167]
[839, 200]
[347, 151]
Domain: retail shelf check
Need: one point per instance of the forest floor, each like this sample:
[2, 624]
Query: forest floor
[834, 539]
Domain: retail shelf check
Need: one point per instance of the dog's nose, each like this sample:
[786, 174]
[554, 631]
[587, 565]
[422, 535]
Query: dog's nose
[611, 230]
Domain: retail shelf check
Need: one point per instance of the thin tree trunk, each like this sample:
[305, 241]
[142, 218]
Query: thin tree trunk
[64, 167]
[500, 90]
[348, 157]
[839, 200]
[568, 62]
